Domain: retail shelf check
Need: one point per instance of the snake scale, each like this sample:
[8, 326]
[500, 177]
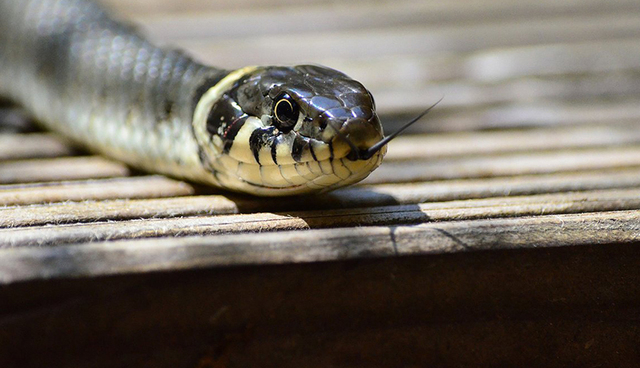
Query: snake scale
[262, 130]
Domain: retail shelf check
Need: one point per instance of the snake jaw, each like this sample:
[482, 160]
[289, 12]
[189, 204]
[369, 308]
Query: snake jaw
[276, 168]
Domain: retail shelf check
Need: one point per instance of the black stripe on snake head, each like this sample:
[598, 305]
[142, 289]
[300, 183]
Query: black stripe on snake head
[230, 133]
[222, 114]
[259, 139]
[300, 144]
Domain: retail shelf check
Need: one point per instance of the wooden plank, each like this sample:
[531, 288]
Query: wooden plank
[218, 22]
[135, 187]
[559, 59]
[509, 165]
[263, 222]
[514, 114]
[34, 145]
[489, 76]
[434, 146]
[152, 228]
[448, 190]
[519, 185]
[63, 168]
[118, 210]
[495, 65]
[443, 11]
[118, 257]
[114, 210]
[416, 40]
[397, 98]
[369, 196]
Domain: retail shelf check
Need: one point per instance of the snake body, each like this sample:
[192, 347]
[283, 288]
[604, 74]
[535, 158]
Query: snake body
[263, 130]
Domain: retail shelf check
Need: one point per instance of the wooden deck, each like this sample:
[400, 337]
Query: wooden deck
[500, 231]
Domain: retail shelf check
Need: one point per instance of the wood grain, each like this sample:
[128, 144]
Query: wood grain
[480, 166]
[438, 7]
[135, 187]
[434, 146]
[34, 145]
[20, 264]
[54, 169]
[501, 230]
[179, 207]
[180, 225]
[114, 210]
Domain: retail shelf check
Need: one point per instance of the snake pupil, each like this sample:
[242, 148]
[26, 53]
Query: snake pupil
[286, 112]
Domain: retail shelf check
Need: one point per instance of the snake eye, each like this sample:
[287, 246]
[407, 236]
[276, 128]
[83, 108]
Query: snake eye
[286, 112]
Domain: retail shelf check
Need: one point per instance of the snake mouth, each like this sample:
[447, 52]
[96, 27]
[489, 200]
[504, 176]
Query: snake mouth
[298, 178]
[257, 144]
[276, 163]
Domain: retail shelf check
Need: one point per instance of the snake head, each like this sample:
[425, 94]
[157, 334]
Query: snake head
[315, 102]
[292, 130]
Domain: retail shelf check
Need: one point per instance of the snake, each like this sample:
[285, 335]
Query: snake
[260, 130]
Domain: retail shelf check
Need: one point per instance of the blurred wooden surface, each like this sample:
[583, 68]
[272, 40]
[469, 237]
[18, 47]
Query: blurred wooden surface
[501, 231]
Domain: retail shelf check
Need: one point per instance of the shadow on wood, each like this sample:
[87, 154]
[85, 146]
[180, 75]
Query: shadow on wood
[532, 307]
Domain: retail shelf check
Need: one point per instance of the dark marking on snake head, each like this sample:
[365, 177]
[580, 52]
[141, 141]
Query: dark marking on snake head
[330, 150]
[260, 138]
[313, 154]
[230, 133]
[299, 145]
[222, 113]
[274, 150]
